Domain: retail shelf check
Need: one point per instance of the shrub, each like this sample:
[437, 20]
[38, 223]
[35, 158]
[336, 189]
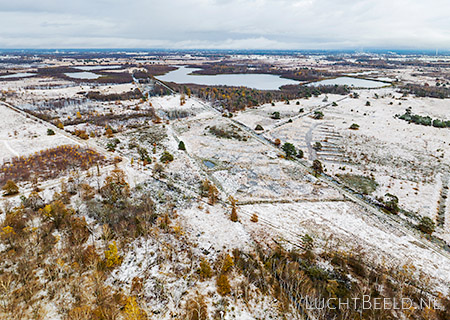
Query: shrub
[426, 225]
[158, 170]
[276, 115]
[254, 218]
[318, 115]
[57, 213]
[196, 309]
[233, 216]
[79, 232]
[300, 154]
[79, 313]
[81, 134]
[181, 146]
[10, 188]
[88, 256]
[112, 144]
[367, 103]
[50, 132]
[307, 242]
[87, 192]
[34, 201]
[116, 190]
[289, 149]
[143, 155]
[166, 157]
[334, 104]
[112, 257]
[229, 132]
[205, 270]
[317, 167]
[109, 132]
[207, 189]
[317, 146]
[391, 203]
[354, 126]
[226, 263]
[132, 310]
[223, 285]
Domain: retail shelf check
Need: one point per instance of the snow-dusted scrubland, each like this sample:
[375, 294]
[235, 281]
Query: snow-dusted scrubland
[197, 215]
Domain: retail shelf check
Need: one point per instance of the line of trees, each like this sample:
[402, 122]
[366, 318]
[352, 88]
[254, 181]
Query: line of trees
[424, 120]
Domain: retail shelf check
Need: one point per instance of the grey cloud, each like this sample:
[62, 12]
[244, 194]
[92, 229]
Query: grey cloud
[237, 24]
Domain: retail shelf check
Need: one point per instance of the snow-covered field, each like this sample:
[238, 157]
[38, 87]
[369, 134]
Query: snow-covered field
[248, 170]
[406, 160]
[21, 136]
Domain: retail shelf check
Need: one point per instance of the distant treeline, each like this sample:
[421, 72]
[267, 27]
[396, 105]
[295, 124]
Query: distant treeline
[158, 70]
[300, 74]
[426, 91]
[96, 95]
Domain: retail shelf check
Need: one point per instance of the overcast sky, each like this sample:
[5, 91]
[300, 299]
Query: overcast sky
[225, 24]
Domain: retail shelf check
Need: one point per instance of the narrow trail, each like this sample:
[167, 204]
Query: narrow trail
[443, 199]
[308, 139]
[5, 142]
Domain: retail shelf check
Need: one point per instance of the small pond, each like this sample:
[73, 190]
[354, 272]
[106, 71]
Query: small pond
[209, 164]
[82, 75]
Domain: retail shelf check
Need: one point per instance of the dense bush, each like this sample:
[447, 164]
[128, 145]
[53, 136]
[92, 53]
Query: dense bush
[166, 157]
[426, 91]
[239, 98]
[289, 150]
[181, 146]
[318, 115]
[426, 225]
[354, 126]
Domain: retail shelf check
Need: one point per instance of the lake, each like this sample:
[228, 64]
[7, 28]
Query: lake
[255, 81]
[82, 75]
[349, 81]
[91, 68]
[18, 75]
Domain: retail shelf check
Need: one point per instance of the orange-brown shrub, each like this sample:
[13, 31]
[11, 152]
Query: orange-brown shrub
[50, 163]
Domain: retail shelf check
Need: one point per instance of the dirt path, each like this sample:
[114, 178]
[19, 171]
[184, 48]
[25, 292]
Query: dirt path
[308, 139]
